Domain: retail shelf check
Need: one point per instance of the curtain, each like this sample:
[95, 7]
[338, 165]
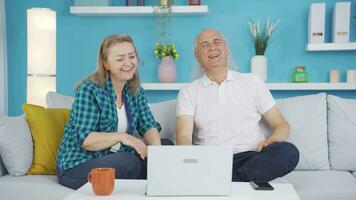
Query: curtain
[3, 62]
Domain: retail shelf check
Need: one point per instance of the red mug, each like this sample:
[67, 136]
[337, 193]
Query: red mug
[102, 180]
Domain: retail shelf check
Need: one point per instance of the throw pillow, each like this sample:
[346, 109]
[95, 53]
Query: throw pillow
[307, 117]
[47, 128]
[56, 100]
[15, 145]
[342, 133]
[165, 114]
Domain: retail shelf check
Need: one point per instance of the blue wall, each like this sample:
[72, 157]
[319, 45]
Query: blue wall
[78, 39]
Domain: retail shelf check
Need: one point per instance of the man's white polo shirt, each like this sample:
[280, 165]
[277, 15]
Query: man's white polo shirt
[227, 113]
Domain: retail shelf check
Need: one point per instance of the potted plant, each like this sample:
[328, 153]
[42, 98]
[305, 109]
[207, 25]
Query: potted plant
[165, 3]
[261, 38]
[167, 70]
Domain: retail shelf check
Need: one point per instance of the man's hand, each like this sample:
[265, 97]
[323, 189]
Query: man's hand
[264, 144]
[135, 143]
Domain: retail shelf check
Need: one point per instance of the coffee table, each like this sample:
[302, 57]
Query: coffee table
[135, 190]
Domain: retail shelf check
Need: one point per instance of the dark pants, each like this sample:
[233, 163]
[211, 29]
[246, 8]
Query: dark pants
[127, 166]
[276, 160]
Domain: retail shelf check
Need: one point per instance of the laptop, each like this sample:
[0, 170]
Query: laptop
[189, 170]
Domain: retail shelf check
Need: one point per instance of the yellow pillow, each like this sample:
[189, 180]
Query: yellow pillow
[47, 129]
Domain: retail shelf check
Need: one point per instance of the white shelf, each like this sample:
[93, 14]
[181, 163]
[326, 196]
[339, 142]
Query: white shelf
[311, 86]
[271, 86]
[135, 10]
[331, 47]
[163, 86]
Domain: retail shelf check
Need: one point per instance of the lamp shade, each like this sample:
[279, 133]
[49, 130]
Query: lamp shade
[37, 88]
[41, 54]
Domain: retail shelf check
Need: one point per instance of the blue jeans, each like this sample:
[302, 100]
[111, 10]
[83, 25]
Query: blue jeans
[127, 166]
[276, 160]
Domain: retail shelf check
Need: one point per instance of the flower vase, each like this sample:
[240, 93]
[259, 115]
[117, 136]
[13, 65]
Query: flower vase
[167, 70]
[259, 66]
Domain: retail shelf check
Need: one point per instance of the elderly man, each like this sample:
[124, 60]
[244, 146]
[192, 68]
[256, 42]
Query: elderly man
[224, 107]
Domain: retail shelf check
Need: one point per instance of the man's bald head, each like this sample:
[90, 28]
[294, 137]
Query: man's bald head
[211, 49]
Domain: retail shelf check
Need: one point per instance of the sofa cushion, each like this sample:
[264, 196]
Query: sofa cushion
[16, 147]
[309, 131]
[39, 187]
[47, 129]
[342, 133]
[164, 113]
[56, 100]
[323, 185]
[307, 118]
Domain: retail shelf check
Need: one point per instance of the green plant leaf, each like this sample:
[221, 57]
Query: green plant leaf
[162, 50]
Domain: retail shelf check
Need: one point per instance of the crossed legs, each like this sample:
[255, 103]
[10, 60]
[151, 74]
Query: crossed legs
[276, 160]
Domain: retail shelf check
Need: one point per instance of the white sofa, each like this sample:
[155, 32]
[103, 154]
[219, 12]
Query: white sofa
[323, 129]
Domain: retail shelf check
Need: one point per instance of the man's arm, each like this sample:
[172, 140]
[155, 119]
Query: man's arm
[152, 137]
[184, 134]
[280, 128]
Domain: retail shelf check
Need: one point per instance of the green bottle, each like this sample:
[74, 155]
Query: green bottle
[300, 75]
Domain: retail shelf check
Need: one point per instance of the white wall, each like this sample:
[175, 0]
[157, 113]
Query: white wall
[3, 62]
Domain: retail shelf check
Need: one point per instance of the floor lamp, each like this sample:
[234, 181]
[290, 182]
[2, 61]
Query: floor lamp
[41, 54]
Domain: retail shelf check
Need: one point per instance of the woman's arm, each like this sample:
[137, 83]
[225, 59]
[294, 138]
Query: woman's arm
[146, 124]
[97, 141]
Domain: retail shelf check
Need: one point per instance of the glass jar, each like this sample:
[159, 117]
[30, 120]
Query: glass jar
[300, 75]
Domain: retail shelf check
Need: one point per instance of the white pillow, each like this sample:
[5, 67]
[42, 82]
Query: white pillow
[165, 113]
[16, 146]
[56, 100]
[307, 117]
[342, 133]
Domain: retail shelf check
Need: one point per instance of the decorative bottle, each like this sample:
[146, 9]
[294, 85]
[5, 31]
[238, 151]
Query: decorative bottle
[300, 75]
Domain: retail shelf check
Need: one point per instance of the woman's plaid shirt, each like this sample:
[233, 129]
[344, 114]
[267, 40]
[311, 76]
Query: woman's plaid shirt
[94, 109]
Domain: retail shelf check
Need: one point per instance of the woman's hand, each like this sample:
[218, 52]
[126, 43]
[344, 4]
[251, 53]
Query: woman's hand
[135, 143]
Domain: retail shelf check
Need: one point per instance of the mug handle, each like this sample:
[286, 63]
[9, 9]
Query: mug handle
[90, 177]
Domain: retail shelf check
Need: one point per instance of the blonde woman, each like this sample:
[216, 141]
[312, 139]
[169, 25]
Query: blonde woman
[109, 107]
